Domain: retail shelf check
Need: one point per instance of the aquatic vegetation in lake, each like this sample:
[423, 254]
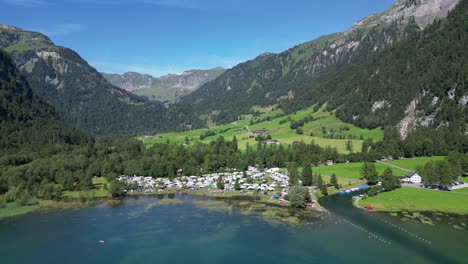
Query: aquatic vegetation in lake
[430, 218]
[214, 206]
[149, 206]
[170, 201]
[274, 215]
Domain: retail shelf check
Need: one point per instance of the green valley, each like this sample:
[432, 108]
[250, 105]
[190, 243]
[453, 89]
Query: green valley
[324, 129]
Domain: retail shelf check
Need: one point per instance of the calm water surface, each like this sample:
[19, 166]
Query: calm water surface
[143, 231]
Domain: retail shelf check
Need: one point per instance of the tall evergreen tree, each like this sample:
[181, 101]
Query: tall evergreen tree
[389, 182]
[220, 183]
[334, 181]
[321, 185]
[307, 175]
[372, 175]
[293, 177]
[237, 186]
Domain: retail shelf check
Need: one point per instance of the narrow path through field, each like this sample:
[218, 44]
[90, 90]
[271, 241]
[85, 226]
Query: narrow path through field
[460, 193]
[391, 165]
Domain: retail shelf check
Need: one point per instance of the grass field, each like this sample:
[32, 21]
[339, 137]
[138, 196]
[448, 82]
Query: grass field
[413, 199]
[281, 132]
[413, 163]
[99, 191]
[463, 190]
[464, 179]
[352, 170]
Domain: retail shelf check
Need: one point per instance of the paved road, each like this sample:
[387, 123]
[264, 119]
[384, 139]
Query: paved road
[464, 185]
[412, 185]
[453, 189]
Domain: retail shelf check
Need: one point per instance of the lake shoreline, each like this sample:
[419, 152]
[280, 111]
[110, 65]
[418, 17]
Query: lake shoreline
[12, 210]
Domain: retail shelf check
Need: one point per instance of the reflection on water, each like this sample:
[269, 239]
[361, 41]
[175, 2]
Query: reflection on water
[188, 229]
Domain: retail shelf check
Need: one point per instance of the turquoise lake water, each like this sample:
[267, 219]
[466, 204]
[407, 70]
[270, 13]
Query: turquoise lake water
[142, 231]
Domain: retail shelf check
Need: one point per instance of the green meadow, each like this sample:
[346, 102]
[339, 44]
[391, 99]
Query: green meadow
[352, 170]
[463, 190]
[99, 190]
[413, 163]
[412, 199]
[279, 129]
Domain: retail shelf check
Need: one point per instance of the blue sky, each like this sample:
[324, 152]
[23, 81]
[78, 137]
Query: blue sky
[168, 36]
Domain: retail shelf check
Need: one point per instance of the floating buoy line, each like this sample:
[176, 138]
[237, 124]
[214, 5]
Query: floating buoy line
[371, 235]
[406, 231]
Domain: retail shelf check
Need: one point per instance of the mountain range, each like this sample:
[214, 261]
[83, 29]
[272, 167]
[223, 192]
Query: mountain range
[402, 69]
[166, 89]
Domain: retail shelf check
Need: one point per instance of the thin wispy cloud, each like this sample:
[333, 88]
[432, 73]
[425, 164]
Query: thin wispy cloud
[188, 4]
[29, 3]
[62, 29]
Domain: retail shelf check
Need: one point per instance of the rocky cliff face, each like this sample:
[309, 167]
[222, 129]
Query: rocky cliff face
[167, 88]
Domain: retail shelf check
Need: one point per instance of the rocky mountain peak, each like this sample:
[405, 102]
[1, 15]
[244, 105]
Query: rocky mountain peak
[22, 40]
[167, 88]
[423, 11]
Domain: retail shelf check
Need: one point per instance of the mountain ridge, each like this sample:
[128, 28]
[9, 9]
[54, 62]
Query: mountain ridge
[275, 78]
[61, 78]
[167, 88]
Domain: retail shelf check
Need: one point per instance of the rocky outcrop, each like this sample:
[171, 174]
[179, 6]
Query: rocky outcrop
[409, 122]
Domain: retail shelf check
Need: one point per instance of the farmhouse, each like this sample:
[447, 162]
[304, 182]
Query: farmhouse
[272, 142]
[150, 136]
[412, 177]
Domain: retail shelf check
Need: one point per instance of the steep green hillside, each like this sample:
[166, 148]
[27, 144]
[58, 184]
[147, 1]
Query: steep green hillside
[421, 82]
[26, 121]
[301, 75]
[32, 133]
[60, 77]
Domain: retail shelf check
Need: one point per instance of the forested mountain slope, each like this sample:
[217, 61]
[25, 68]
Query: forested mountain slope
[420, 82]
[60, 77]
[283, 78]
[30, 130]
[26, 121]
